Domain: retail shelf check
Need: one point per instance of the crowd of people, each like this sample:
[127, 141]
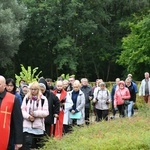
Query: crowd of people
[40, 109]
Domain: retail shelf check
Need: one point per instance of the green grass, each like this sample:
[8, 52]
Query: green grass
[120, 134]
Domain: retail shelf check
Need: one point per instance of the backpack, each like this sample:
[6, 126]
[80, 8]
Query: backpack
[98, 92]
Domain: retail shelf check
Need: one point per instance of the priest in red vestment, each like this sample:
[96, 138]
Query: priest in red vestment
[61, 94]
[11, 126]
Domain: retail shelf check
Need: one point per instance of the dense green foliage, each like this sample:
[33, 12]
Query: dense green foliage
[120, 134]
[136, 46]
[12, 25]
[77, 37]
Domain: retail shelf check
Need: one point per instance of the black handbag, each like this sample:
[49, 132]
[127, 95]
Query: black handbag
[126, 102]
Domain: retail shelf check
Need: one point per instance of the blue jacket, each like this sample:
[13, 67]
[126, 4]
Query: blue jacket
[135, 87]
[113, 92]
[18, 96]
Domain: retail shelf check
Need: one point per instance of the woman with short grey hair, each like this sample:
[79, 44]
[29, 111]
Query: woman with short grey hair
[102, 101]
[78, 99]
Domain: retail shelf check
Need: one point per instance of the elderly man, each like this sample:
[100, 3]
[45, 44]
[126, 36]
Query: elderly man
[133, 82]
[11, 126]
[114, 88]
[145, 88]
[132, 100]
[61, 94]
[88, 93]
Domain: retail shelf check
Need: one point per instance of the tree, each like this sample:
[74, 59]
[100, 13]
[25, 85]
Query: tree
[102, 47]
[136, 47]
[12, 24]
[62, 29]
[77, 37]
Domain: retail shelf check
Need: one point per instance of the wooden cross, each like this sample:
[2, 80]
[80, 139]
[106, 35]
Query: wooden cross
[6, 113]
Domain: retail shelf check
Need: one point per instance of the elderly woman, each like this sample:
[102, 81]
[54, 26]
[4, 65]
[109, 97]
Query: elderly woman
[121, 94]
[102, 101]
[34, 110]
[54, 106]
[78, 99]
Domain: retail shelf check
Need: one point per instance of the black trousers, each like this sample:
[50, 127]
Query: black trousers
[67, 129]
[87, 115]
[101, 115]
[31, 141]
[121, 109]
[49, 129]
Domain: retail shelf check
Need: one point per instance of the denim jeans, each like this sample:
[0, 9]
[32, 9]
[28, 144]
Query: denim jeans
[130, 107]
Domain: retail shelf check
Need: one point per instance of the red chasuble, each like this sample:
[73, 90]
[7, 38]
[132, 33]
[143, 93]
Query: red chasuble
[5, 119]
[59, 122]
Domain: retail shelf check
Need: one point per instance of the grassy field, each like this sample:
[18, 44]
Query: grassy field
[120, 134]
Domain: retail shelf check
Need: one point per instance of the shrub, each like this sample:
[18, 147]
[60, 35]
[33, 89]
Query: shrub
[29, 74]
